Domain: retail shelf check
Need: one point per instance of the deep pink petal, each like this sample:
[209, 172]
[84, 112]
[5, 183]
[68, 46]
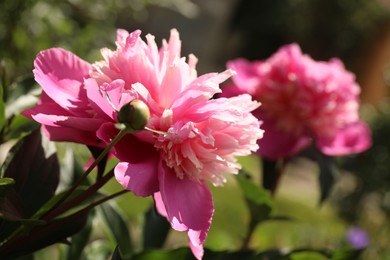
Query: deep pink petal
[187, 203]
[231, 90]
[354, 138]
[61, 74]
[137, 170]
[247, 77]
[60, 117]
[140, 177]
[66, 134]
[277, 144]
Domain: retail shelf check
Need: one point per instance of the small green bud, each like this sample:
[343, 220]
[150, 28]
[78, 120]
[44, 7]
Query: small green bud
[135, 115]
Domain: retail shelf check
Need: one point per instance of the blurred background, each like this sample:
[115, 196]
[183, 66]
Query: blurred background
[358, 32]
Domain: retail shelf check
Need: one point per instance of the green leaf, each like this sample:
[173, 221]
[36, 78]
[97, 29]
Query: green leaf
[155, 230]
[271, 174]
[259, 200]
[328, 172]
[117, 228]
[235, 255]
[79, 241]
[2, 106]
[177, 254]
[53, 200]
[5, 185]
[350, 254]
[19, 126]
[6, 182]
[186, 254]
[308, 253]
[117, 254]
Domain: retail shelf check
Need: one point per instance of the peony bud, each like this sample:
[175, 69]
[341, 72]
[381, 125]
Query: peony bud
[134, 115]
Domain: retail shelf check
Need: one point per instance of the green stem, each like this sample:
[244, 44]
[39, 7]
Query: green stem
[249, 234]
[80, 198]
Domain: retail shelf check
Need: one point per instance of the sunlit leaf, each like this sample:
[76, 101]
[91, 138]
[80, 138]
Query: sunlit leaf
[308, 253]
[349, 254]
[20, 125]
[155, 230]
[259, 200]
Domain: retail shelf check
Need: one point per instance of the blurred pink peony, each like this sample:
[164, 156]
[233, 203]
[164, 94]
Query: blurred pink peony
[302, 100]
[199, 137]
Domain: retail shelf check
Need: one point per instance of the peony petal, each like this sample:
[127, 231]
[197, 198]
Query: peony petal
[173, 82]
[197, 250]
[60, 117]
[188, 204]
[140, 177]
[247, 78]
[278, 144]
[354, 138]
[137, 170]
[98, 102]
[60, 74]
[160, 207]
[199, 91]
[66, 134]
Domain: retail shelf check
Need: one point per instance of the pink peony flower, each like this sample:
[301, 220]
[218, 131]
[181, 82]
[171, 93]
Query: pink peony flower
[196, 138]
[302, 100]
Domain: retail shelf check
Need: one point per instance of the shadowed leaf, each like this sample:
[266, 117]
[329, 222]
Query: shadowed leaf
[36, 175]
[155, 230]
[79, 241]
[328, 172]
[117, 227]
[39, 237]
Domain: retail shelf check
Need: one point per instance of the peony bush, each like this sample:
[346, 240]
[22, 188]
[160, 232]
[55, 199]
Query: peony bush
[173, 134]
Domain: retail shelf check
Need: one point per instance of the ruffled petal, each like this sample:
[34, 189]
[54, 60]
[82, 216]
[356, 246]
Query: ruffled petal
[199, 92]
[97, 101]
[352, 139]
